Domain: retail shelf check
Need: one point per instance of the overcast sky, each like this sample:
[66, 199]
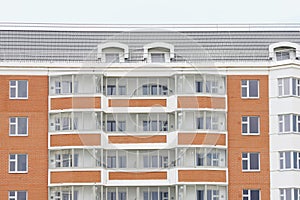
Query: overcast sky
[151, 11]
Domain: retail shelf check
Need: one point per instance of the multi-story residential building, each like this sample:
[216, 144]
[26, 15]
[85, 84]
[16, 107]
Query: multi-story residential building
[149, 112]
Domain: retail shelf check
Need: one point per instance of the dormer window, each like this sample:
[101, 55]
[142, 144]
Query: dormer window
[284, 51]
[112, 57]
[158, 57]
[158, 52]
[112, 52]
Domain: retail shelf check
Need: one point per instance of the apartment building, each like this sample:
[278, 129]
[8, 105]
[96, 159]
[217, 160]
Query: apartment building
[149, 112]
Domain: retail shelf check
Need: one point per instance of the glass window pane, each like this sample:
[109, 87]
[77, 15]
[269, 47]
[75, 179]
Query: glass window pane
[253, 88]
[288, 193]
[254, 124]
[22, 125]
[157, 57]
[13, 92]
[287, 123]
[112, 58]
[200, 195]
[22, 162]
[244, 128]
[254, 195]
[21, 195]
[245, 164]
[254, 161]
[244, 92]
[200, 122]
[294, 86]
[287, 160]
[286, 86]
[12, 166]
[22, 89]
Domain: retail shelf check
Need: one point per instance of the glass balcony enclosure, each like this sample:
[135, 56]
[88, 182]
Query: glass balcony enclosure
[201, 120]
[201, 157]
[180, 192]
[148, 86]
[137, 86]
[142, 122]
[138, 159]
[74, 121]
[75, 158]
[75, 84]
[200, 84]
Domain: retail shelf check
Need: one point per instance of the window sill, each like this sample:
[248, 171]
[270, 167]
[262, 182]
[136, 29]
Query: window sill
[18, 135]
[247, 171]
[25, 172]
[250, 98]
[250, 134]
[10, 98]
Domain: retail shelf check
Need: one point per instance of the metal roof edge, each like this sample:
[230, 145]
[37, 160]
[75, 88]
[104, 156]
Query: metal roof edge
[149, 27]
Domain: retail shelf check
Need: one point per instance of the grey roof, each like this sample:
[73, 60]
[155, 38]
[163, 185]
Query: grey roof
[190, 46]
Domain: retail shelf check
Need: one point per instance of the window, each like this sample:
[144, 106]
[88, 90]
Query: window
[211, 158]
[289, 193]
[251, 195]
[157, 57]
[111, 126]
[289, 160]
[250, 125]
[211, 87]
[18, 126]
[199, 86]
[209, 121]
[66, 195]
[65, 87]
[289, 86]
[112, 58]
[155, 125]
[283, 55]
[122, 162]
[121, 126]
[154, 89]
[210, 194]
[111, 162]
[250, 161]
[17, 195]
[111, 90]
[289, 123]
[250, 88]
[66, 160]
[17, 163]
[18, 89]
[122, 90]
[155, 161]
[154, 195]
[65, 123]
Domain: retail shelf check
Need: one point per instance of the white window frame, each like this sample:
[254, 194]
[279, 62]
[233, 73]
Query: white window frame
[15, 195]
[248, 196]
[247, 122]
[70, 160]
[282, 158]
[283, 193]
[293, 119]
[249, 162]
[16, 87]
[292, 82]
[15, 160]
[16, 126]
[247, 86]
